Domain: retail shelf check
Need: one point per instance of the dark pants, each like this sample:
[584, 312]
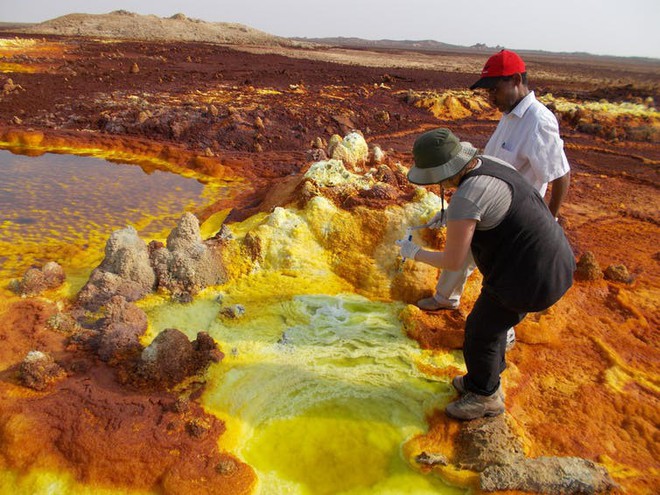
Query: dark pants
[485, 343]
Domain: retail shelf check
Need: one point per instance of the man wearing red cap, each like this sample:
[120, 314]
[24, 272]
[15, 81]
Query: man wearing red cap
[526, 137]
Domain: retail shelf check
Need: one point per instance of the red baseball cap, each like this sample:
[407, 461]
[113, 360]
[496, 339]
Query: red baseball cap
[502, 64]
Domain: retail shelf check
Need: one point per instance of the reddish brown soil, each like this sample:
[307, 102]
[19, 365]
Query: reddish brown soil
[255, 115]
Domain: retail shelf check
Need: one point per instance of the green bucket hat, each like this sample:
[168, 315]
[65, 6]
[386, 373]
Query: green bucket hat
[439, 155]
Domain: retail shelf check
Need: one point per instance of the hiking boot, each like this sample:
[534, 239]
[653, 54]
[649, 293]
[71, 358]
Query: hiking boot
[473, 406]
[510, 339]
[436, 303]
[458, 385]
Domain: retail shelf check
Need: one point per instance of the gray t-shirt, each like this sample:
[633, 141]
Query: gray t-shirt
[482, 198]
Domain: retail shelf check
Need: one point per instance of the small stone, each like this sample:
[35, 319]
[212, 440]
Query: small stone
[182, 297]
[232, 312]
[38, 370]
[588, 268]
[181, 405]
[224, 234]
[134, 68]
[226, 466]
[315, 155]
[284, 339]
[197, 428]
[618, 273]
[142, 117]
[319, 143]
[63, 322]
[377, 155]
[36, 280]
[431, 459]
[383, 117]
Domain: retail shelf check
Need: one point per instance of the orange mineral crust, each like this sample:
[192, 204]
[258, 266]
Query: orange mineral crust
[105, 434]
[583, 380]
[594, 392]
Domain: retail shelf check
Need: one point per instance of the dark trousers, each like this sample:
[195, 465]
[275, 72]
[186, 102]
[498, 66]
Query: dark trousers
[485, 343]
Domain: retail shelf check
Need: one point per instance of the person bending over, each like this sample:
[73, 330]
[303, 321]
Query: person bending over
[522, 252]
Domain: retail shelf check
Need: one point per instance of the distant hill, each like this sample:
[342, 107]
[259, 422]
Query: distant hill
[421, 45]
[437, 46]
[14, 26]
[121, 24]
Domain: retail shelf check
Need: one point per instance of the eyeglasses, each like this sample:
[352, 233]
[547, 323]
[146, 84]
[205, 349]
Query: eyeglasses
[499, 82]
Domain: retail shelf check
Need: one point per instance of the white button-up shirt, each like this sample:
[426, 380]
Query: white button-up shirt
[528, 138]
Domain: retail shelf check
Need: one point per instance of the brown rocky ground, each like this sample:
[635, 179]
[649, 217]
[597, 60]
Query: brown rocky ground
[254, 112]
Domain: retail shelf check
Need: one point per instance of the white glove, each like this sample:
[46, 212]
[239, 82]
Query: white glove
[408, 248]
[439, 220]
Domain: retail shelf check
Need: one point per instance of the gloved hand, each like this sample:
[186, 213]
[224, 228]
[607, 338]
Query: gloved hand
[439, 220]
[408, 248]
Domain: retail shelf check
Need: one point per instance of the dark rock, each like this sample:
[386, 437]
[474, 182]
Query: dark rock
[588, 268]
[252, 246]
[379, 191]
[618, 273]
[431, 459]
[197, 427]
[171, 357]
[319, 143]
[181, 405]
[226, 466]
[205, 346]
[307, 191]
[383, 116]
[315, 155]
[53, 275]
[385, 174]
[224, 234]
[124, 271]
[120, 330]
[549, 475]
[38, 370]
[37, 280]
[187, 264]
[103, 286]
[485, 442]
[345, 123]
[183, 297]
[64, 323]
[232, 312]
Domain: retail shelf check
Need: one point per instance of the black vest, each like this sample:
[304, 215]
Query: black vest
[526, 261]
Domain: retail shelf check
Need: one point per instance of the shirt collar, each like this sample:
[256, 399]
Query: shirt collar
[524, 104]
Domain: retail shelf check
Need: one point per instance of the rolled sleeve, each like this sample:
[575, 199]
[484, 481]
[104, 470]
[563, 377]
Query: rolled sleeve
[463, 209]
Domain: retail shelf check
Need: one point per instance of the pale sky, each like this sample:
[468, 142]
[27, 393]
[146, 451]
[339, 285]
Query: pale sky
[602, 27]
